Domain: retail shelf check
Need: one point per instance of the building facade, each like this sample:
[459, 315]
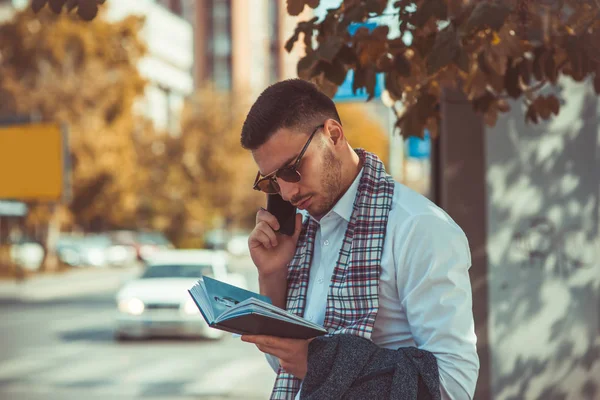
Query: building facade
[169, 64]
[170, 60]
[239, 44]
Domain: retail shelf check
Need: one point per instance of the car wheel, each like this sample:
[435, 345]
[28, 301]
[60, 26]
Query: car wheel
[120, 337]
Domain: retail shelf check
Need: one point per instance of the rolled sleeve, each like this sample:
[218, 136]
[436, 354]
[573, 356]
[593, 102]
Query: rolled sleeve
[436, 294]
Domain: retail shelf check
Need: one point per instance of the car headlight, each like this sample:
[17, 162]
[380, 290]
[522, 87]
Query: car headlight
[190, 307]
[131, 306]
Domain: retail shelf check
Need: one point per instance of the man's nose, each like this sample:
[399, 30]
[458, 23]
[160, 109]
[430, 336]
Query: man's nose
[287, 190]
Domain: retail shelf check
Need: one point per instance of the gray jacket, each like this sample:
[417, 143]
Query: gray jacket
[350, 367]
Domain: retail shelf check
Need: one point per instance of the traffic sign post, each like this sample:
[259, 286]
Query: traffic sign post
[34, 162]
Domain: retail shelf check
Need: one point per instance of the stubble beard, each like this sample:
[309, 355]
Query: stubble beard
[331, 178]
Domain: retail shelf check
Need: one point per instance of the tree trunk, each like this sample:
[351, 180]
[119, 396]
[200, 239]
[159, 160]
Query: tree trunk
[50, 263]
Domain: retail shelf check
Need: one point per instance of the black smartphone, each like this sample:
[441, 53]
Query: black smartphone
[284, 211]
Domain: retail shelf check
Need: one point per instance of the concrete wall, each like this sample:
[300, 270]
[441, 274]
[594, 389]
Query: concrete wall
[543, 249]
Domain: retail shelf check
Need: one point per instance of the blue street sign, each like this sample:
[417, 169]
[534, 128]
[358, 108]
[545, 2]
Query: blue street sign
[419, 148]
[345, 93]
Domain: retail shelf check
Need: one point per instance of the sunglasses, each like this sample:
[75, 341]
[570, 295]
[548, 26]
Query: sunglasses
[268, 183]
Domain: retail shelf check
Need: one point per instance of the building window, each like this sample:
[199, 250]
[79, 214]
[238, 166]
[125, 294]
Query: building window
[275, 43]
[219, 43]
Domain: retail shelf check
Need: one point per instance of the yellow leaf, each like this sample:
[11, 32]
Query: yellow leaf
[495, 39]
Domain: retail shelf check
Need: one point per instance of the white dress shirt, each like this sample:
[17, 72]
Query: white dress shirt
[424, 289]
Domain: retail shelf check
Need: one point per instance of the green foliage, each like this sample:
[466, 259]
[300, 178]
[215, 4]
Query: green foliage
[492, 50]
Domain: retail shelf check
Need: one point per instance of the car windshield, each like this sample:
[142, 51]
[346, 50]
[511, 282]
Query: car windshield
[153, 238]
[177, 271]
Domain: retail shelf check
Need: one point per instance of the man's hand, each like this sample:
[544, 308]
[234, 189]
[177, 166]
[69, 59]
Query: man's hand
[271, 251]
[292, 353]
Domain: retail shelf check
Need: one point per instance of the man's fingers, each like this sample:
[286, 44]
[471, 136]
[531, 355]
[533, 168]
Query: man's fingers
[264, 215]
[275, 352]
[270, 341]
[267, 230]
[259, 238]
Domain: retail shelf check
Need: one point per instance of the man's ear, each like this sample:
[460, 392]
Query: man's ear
[335, 131]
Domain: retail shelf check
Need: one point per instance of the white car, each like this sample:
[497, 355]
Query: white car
[158, 302]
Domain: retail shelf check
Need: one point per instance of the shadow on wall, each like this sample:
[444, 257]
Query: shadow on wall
[543, 184]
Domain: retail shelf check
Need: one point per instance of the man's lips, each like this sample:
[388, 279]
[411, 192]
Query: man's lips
[302, 203]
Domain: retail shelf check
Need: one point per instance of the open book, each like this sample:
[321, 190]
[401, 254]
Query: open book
[240, 311]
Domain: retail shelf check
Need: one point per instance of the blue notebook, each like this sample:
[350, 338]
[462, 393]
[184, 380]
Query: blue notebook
[233, 309]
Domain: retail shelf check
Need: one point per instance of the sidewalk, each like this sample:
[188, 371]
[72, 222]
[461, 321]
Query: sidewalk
[76, 282]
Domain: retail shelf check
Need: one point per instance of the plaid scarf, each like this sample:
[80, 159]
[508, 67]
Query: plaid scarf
[353, 297]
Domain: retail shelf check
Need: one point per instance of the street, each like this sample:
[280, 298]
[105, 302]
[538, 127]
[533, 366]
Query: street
[62, 347]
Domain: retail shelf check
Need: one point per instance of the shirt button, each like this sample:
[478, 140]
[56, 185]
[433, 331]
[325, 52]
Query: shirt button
[326, 243]
[320, 280]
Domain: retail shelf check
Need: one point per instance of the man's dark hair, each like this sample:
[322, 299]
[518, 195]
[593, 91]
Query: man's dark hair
[291, 104]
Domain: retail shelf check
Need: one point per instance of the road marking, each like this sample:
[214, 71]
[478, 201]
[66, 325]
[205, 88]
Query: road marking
[164, 369]
[85, 320]
[227, 378]
[36, 360]
[88, 367]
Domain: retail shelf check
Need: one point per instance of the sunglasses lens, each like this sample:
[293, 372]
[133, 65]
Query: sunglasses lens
[268, 186]
[289, 175]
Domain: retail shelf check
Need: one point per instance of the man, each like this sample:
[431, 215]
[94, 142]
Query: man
[371, 258]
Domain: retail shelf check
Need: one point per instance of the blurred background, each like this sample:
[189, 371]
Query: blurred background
[134, 185]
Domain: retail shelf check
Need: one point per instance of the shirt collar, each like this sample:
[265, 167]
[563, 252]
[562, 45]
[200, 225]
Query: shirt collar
[345, 205]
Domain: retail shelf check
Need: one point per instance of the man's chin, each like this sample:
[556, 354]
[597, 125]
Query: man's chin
[317, 212]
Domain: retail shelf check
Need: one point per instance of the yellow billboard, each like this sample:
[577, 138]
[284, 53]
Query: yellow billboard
[33, 162]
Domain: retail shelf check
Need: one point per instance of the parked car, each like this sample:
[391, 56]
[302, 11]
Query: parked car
[158, 303]
[145, 244]
[94, 250]
[83, 250]
[27, 253]
[151, 243]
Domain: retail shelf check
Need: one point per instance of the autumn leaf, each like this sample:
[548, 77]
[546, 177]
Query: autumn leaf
[444, 51]
[329, 50]
[428, 9]
[335, 72]
[295, 7]
[524, 68]
[531, 114]
[483, 103]
[37, 5]
[291, 41]
[392, 85]
[57, 5]
[553, 104]
[486, 14]
[539, 61]
[402, 65]
[473, 46]
[87, 10]
[71, 4]
[511, 81]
